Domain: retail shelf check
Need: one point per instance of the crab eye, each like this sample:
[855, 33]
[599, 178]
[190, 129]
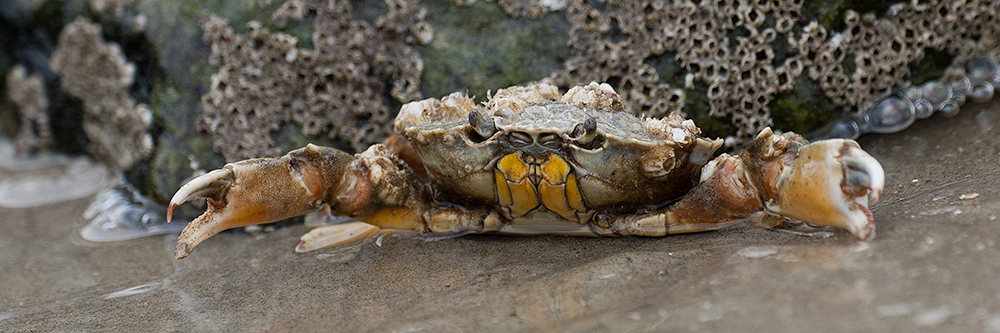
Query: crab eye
[585, 133]
[587, 127]
[481, 127]
[520, 139]
[550, 140]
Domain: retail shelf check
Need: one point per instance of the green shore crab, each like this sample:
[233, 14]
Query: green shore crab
[534, 161]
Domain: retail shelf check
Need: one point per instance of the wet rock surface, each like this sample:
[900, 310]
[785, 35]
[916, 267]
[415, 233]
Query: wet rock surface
[931, 267]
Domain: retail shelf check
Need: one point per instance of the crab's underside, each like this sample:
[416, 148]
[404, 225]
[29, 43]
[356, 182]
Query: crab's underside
[534, 161]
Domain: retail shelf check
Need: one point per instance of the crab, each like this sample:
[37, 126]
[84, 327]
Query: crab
[531, 160]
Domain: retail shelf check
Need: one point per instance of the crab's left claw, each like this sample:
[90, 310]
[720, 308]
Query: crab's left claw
[258, 191]
[827, 183]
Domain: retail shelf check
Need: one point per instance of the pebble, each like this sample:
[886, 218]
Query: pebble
[968, 196]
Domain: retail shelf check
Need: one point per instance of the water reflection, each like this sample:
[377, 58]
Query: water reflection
[134, 290]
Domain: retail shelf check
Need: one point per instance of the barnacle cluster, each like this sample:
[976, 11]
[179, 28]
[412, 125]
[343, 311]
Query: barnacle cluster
[745, 53]
[28, 93]
[98, 73]
[737, 60]
[336, 88]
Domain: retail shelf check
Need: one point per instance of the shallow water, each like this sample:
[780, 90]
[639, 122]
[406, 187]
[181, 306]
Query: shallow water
[121, 213]
[932, 267]
[46, 178]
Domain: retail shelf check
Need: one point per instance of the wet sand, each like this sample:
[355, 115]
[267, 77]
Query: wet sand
[932, 266]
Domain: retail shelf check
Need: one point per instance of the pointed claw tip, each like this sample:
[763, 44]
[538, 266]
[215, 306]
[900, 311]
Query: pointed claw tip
[867, 232]
[875, 195]
[301, 248]
[209, 185]
[864, 227]
[170, 211]
[181, 251]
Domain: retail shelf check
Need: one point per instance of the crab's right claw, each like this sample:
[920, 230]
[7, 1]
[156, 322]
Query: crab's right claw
[830, 183]
[258, 191]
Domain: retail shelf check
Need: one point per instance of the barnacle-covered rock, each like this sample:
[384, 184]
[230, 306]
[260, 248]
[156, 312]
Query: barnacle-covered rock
[337, 88]
[28, 93]
[98, 73]
[792, 64]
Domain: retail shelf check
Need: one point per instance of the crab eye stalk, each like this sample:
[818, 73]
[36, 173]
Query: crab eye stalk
[483, 127]
[585, 134]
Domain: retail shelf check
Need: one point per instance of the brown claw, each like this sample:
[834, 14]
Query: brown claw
[260, 191]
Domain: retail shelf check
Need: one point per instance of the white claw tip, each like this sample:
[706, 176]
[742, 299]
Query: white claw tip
[181, 251]
[875, 195]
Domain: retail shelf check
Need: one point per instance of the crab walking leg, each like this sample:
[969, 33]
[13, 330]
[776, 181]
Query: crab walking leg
[827, 183]
[335, 235]
[723, 198]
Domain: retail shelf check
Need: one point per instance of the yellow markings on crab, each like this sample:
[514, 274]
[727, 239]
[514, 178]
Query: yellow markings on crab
[524, 185]
[513, 168]
[503, 191]
[573, 195]
[525, 197]
[553, 188]
[555, 170]
[554, 198]
[513, 173]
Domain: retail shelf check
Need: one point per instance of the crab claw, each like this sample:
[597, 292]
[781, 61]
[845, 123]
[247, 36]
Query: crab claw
[829, 183]
[257, 191]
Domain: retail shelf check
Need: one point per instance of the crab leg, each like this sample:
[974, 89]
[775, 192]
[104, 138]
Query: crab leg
[335, 235]
[724, 197]
[828, 183]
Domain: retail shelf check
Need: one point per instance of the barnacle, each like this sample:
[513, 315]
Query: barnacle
[337, 88]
